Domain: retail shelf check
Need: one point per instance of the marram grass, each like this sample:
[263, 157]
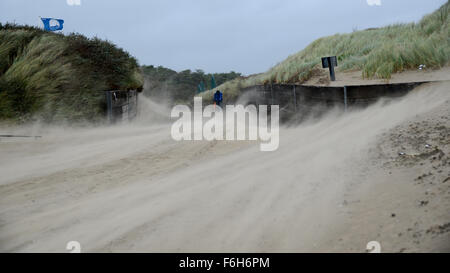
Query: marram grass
[53, 77]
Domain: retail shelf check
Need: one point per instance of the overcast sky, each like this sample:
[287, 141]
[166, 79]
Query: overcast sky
[247, 36]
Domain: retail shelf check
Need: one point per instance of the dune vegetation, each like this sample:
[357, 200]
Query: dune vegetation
[377, 53]
[55, 77]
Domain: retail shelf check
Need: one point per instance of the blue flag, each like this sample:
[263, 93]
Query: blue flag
[51, 24]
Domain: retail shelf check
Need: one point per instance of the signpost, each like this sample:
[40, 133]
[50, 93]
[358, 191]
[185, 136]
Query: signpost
[330, 63]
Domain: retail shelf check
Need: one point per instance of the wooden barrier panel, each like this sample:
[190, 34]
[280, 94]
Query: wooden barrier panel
[121, 105]
[294, 98]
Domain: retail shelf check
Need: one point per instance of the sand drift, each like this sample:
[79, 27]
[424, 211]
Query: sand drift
[132, 188]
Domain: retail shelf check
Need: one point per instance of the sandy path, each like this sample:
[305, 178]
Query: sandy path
[403, 200]
[322, 77]
[131, 188]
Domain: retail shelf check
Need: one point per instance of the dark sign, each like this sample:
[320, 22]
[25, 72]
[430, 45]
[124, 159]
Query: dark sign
[327, 60]
[330, 62]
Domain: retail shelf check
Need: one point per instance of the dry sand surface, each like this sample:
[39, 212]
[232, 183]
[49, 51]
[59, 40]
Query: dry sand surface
[334, 184]
[321, 77]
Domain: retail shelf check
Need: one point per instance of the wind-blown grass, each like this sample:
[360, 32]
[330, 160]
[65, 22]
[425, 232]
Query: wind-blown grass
[56, 77]
[377, 53]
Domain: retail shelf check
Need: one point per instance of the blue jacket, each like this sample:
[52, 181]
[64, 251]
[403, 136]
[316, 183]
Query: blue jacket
[218, 97]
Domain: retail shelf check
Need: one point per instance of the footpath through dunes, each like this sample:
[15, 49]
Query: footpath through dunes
[320, 77]
[327, 187]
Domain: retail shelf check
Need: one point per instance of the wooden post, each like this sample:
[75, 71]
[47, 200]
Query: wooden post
[345, 98]
[271, 92]
[108, 106]
[295, 101]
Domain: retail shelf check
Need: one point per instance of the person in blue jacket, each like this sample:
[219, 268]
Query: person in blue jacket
[218, 97]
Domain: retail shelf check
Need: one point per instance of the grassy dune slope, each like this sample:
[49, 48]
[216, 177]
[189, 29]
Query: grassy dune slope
[54, 77]
[376, 52]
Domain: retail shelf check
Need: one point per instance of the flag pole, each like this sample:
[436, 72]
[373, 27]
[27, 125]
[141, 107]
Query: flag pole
[40, 22]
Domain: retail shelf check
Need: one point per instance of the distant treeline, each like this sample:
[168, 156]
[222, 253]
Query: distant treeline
[181, 86]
